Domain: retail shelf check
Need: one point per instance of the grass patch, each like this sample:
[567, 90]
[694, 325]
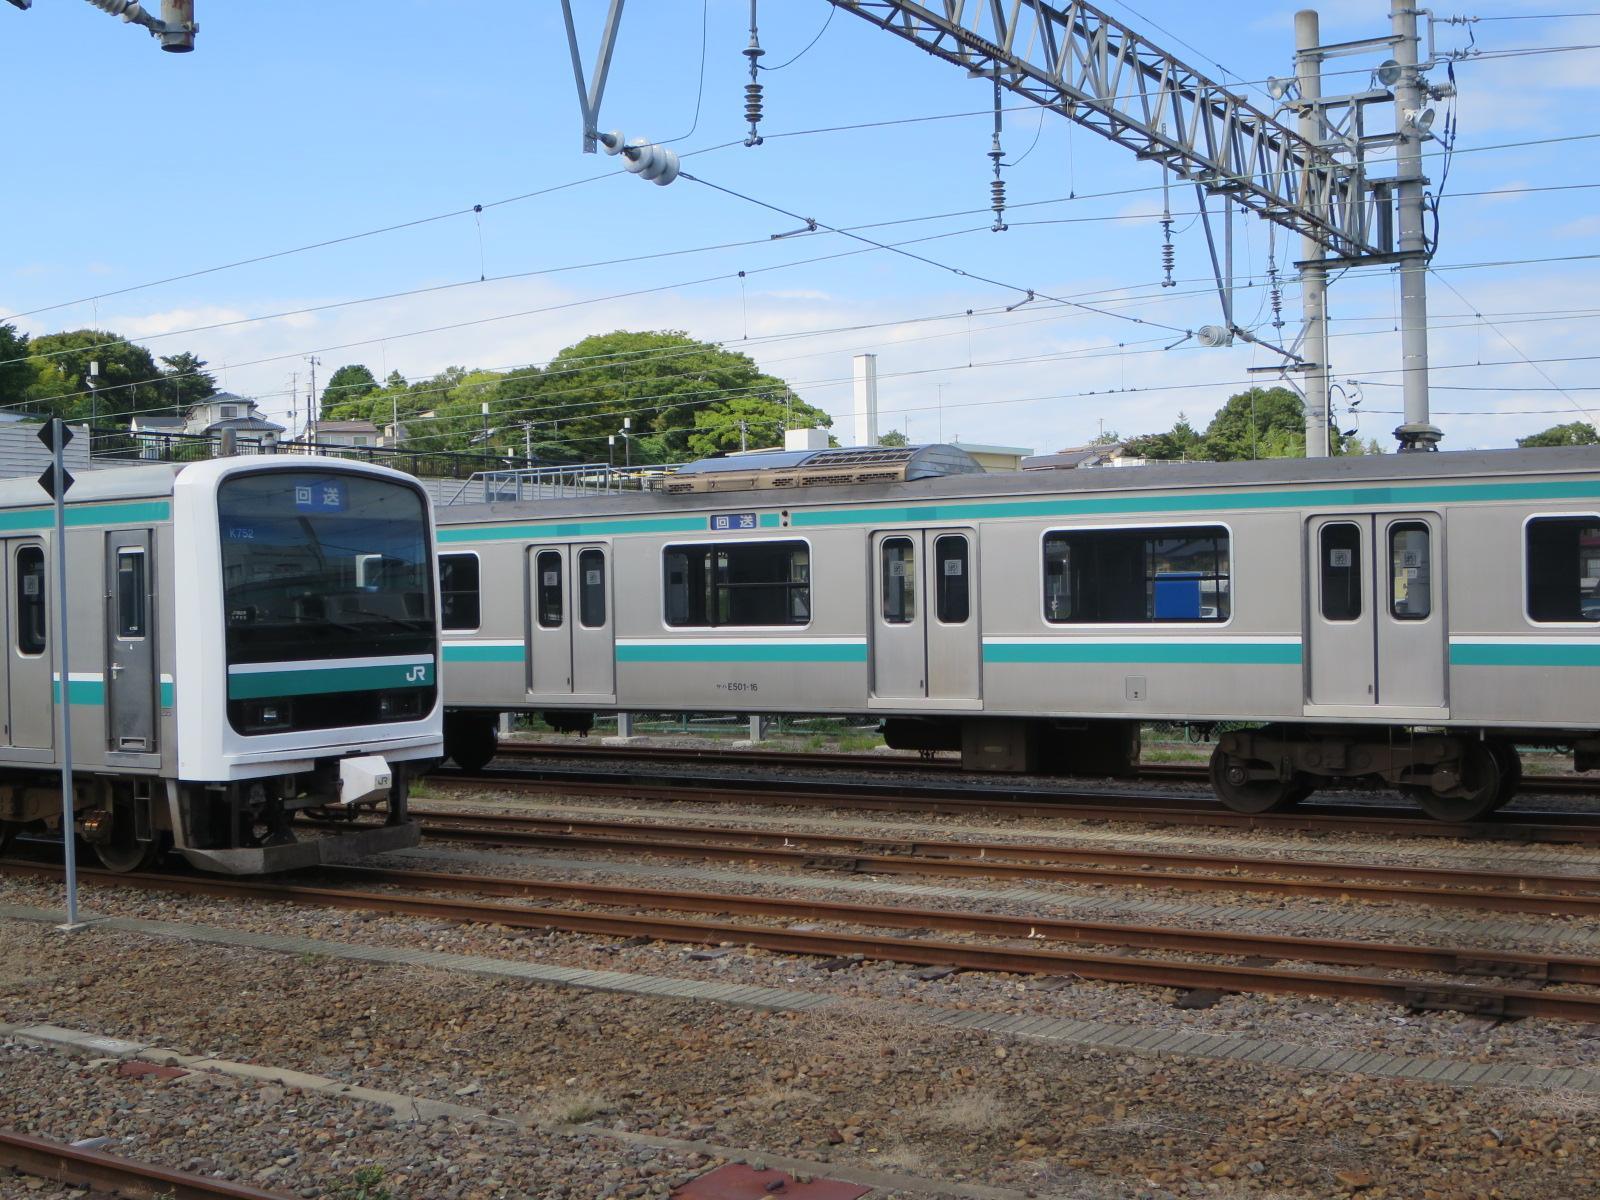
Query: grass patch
[365, 1184]
[572, 1108]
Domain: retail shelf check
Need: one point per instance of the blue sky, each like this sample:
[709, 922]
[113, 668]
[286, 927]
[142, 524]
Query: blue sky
[297, 122]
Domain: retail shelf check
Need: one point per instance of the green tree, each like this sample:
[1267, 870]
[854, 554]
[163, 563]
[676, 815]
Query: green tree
[1259, 423]
[129, 381]
[1182, 441]
[1574, 433]
[16, 373]
[894, 438]
[685, 397]
[185, 380]
[346, 389]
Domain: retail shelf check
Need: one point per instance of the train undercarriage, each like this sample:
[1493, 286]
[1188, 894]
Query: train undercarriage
[241, 828]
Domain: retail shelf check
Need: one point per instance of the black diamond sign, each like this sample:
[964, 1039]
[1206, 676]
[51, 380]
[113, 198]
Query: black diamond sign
[53, 428]
[48, 481]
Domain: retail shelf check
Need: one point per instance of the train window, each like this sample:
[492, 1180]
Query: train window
[547, 588]
[460, 605]
[131, 594]
[1410, 571]
[592, 588]
[951, 584]
[31, 619]
[1564, 569]
[899, 580]
[738, 583]
[1137, 576]
[1339, 550]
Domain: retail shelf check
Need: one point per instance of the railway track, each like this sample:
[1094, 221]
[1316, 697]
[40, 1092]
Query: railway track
[1533, 784]
[992, 799]
[1255, 973]
[111, 1174]
[1503, 891]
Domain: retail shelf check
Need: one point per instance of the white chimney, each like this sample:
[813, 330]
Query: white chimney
[866, 375]
[805, 439]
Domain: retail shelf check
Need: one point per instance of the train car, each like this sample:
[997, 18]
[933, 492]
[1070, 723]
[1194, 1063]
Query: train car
[1401, 618]
[250, 638]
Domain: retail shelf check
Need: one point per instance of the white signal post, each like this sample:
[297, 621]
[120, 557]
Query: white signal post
[56, 481]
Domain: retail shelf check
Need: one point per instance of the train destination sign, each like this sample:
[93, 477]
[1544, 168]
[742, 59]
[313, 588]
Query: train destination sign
[726, 522]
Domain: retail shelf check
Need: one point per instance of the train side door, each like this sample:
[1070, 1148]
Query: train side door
[1375, 629]
[593, 636]
[1412, 641]
[925, 641]
[549, 622]
[130, 643]
[30, 719]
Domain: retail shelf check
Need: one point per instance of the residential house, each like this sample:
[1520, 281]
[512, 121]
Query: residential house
[347, 435]
[227, 411]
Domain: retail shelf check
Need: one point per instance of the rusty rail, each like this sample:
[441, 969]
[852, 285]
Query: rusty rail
[1115, 968]
[990, 799]
[900, 860]
[113, 1174]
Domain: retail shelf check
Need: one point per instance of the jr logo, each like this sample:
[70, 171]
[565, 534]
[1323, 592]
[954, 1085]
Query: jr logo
[417, 674]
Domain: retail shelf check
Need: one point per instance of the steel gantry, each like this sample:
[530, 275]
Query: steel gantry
[1310, 179]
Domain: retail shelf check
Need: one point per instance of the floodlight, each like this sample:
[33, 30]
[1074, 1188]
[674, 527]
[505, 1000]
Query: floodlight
[1388, 72]
[1419, 120]
[1278, 87]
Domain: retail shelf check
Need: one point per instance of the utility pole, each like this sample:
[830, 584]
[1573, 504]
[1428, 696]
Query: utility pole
[1313, 271]
[1411, 126]
[311, 398]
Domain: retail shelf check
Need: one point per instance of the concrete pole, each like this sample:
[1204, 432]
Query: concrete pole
[866, 395]
[1313, 274]
[1418, 432]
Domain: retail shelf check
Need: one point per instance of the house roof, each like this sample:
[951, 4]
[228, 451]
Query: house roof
[244, 423]
[344, 427]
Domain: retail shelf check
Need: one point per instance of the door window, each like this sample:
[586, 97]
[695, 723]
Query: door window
[592, 588]
[131, 594]
[31, 620]
[1410, 571]
[899, 580]
[547, 570]
[951, 584]
[1339, 556]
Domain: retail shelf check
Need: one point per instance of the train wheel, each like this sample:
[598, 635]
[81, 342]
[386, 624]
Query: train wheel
[1230, 779]
[117, 848]
[470, 740]
[1478, 793]
[1510, 762]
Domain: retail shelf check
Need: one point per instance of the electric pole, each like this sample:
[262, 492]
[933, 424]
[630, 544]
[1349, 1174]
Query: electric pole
[1411, 123]
[1313, 271]
[311, 398]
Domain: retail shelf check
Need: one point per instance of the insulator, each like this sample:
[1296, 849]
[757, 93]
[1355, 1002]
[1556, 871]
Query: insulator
[752, 112]
[1168, 254]
[997, 201]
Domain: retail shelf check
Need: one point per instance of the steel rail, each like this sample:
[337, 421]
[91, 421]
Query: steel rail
[1539, 903]
[46, 1158]
[1113, 968]
[923, 849]
[1076, 804]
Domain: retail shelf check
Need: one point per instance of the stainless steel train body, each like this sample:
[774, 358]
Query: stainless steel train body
[1404, 617]
[249, 638]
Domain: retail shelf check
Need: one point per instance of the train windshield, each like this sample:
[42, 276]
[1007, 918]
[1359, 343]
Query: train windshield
[323, 564]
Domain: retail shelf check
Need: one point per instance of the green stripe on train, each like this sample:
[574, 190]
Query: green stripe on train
[1131, 503]
[467, 652]
[1525, 654]
[1143, 652]
[777, 652]
[257, 685]
[82, 691]
[139, 512]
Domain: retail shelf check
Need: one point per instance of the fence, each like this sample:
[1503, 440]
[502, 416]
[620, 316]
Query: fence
[114, 444]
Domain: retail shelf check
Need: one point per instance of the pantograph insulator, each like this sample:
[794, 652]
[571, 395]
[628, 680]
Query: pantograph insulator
[752, 112]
